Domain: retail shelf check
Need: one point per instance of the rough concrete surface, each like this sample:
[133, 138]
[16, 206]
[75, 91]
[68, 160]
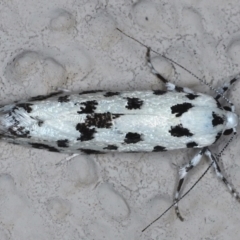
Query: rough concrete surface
[73, 44]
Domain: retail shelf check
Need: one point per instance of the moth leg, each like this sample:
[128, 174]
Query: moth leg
[67, 159]
[226, 86]
[170, 86]
[64, 90]
[219, 174]
[153, 70]
[183, 172]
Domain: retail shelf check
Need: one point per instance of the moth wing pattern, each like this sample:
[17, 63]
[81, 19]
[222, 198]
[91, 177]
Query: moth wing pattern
[100, 121]
[137, 121]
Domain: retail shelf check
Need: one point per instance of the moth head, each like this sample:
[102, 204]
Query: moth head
[231, 122]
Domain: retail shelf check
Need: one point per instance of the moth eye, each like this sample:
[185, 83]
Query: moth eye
[227, 108]
[228, 131]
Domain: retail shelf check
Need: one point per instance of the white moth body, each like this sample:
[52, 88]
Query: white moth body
[131, 121]
[138, 121]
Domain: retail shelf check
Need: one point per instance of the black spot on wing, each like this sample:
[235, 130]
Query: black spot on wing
[180, 131]
[86, 133]
[40, 122]
[191, 96]
[228, 131]
[111, 147]
[159, 92]
[90, 151]
[115, 115]
[25, 106]
[18, 131]
[217, 120]
[90, 91]
[43, 97]
[110, 94]
[178, 89]
[63, 143]
[191, 144]
[132, 138]
[134, 103]
[65, 98]
[179, 109]
[15, 129]
[88, 107]
[99, 120]
[159, 149]
[44, 146]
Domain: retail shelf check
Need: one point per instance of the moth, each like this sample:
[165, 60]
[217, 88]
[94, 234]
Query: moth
[130, 121]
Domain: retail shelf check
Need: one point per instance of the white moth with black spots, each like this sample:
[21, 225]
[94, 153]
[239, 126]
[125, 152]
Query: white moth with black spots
[136, 121]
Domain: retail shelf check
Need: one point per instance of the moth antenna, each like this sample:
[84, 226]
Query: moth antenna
[149, 225]
[179, 65]
[226, 145]
[219, 94]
